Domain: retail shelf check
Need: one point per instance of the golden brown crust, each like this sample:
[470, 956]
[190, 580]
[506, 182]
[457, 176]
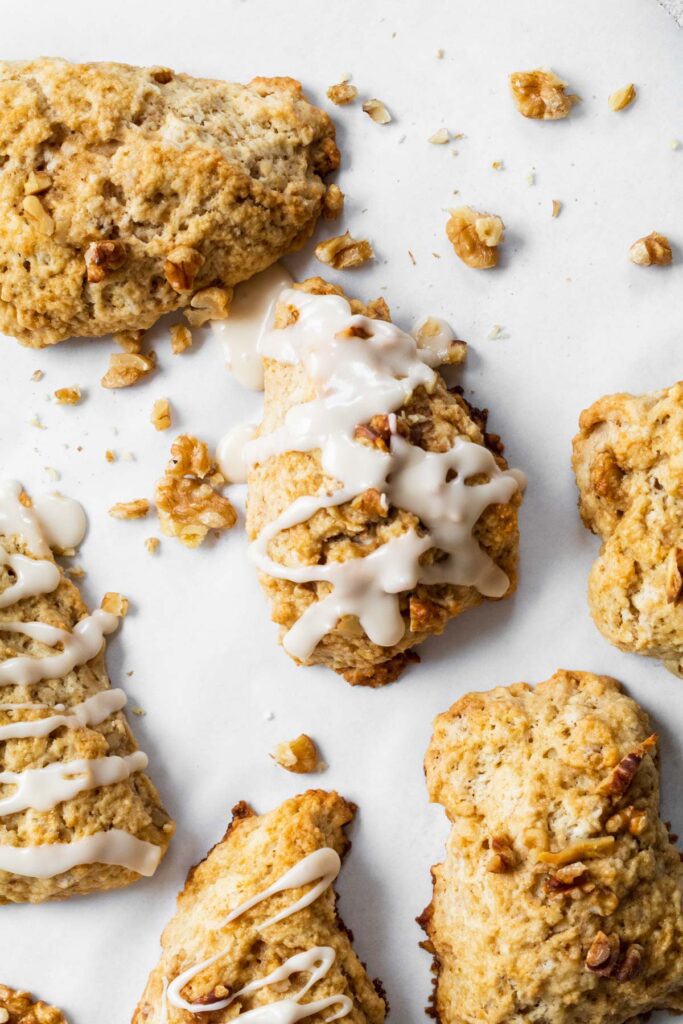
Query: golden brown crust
[24, 1009]
[125, 190]
[627, 461]
[255, 851]
[556, 845]
[432, 421]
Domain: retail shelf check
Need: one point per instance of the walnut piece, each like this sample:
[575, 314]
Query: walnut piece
[103, 258]
[557, 206]
[342, 93]
[189, 508]
[540, 94]
[299, 756]
[565, 879]
[343, 252]
[629, 819]
[37, 181]
[652, 250]
[152, 544]
[38, 215]
[181, 338]
[333, 203]
[127, 368]
[377, 111]
[623, 97]
[68, 396]
[136, 509]
[625, 772]
[584, 849]
[674, 575]
[439, 138]
[209, 304]
[189, 457]
[605, 957]
[181, 267]
[161, 417]
[129, 341]
[502, 857]
[475, 237]
[115, 603]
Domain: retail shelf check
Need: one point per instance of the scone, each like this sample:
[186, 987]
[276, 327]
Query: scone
[77, 812]
[22, 1008]
[256, 926]
[378, 507]
[628, 460]
[559, 900]
[126, 191]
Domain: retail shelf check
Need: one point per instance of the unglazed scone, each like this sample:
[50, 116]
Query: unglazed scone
[22, 1008]
[628, 461]
[77, 812]
[223, 949]
[378, 507]
[124, 191]
[559, 900]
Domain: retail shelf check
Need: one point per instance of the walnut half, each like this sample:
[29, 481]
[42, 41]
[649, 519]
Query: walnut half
[343, 252]
[475, 237]
[541, 95]
[654, 250]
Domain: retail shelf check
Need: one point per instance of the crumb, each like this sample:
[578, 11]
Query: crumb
[53, 474]
[152, 544]
[439, 54]
[68, 396]
[675, 144]
[161, 417]
[37, 375]
[76, 572]
[343, 252]
[377, 111]
[652, 250]
[140, 712]
[622, 98]
[439, 138]
[136, 509]
[412, 258]
[557, 206]
[269, 716]
[531, 178]
[497, 165]
[109, 455]
[475, 237]
[115, 603]
[129, 341]
[127, 368]
[495, 332]
[342, 93]
[128, 457]
[181, 338]
[333, 203]
[299, 756]
[36, 421]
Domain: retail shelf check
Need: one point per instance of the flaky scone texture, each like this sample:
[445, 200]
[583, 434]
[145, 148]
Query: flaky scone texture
[22, 1008]
[628, 461]
[254, 853]
[559, 901]
[432, 421]
[132, 805]
[222, 178]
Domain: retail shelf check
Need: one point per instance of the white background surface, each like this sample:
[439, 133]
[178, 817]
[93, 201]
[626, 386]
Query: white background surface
[579, 320]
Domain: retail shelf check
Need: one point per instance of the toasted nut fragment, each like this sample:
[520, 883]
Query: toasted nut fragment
[584, 849]
[189, 457]
[425, 616]
[161, 414]
[603, 954]
[129, 341]
[127, 368]
[475, 237]
[333, 203]
[181, 338]
[136, 509]
[652, 250]
[377, 432]
[502, 857]
[377, 111]
[622, 97]
[103, 258]
[572, 876]
[439, 138]
[68, 396]
[629, 819]
[109, 455]
[37, 181]
[189, 508]
[209, 304]
[631, 964]
[674, 575]
[623, 775]
[299, 755]
[540, 94]
[557, 206]
[115, 603]
[38, 215]
[344, 252]
[181, 267]
[152, 544]
[342, 93]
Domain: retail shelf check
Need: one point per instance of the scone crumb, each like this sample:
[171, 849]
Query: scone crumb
[475, 237]
[333, 203]
[342, 93]
[140, 712]
[209, 304]
[652, 250]
[557, 206]
[439, 54]
[181, 338]
[622, 98]
[439, 138]
[76, 572]
[129, 341]
[37, 375]
[161, 417]
[127, 368]
[115, 603]
[152, 545]
[377, 111]
[136, 509]
[68, 396]
[52, 473]
[299, 756]
[497, 165]
[110, 455]
[181, 267]
[343, 252]
[495, 332]
[541, 95]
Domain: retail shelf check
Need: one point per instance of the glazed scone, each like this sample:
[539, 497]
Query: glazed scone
[559, 900]
[256, 926]
[629, 470]
[22, 1008]
[77, 812]
[364, 526]
[125, 191]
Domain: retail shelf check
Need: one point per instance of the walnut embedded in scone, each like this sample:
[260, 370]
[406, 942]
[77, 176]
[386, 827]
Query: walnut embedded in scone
[21, 1008]
[559, 899]
[257, 928]
[128, 192]
[628, 461]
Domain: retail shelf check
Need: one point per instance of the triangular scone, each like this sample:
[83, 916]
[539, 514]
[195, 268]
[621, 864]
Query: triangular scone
[627, 460]
[22, 1008]
[77, 814]
[307, 954]
[559, 900]
[379, 508]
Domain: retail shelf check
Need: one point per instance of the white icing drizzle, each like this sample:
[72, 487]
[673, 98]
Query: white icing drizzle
[79, 646]
[320, 867]
[33, 576]
[92, 711]
[114, 847]
[230, 454]
[18, 521]
[61, 519]
[251, 312]
[43, 788]
[356, 378]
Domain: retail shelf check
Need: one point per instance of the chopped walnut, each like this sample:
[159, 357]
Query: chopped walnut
[209, 304]
[299, 755]
[475, 237]
[342, 93]
[181, 338]
[103, 258]
[37, 181]
[565, 879]
[623, 775]
[343, 252]
[115, 603]
[377, 432]
[377, 111]
[652, 250]
[161, 414]
[622, 98]
[181, 267]
[629, 819]
[68, 396]
[333, 202]
[605, 958]
[189, 457]
[584, 849]
[674, 575]
[502, 857]
[372, 503]
[189, 508]
[540, 94]
[127, 368]
[557, 206]
[38, 215]
[152, 544]
[136, 509]
[129, 341]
